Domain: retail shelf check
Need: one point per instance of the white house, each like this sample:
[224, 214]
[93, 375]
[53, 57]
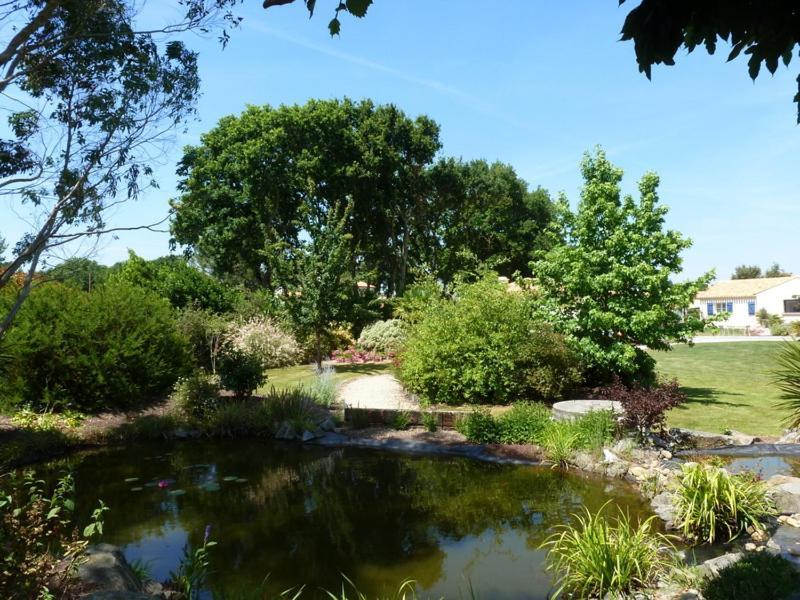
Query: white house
[741, 299]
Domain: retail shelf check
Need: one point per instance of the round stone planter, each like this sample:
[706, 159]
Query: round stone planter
[571, 409]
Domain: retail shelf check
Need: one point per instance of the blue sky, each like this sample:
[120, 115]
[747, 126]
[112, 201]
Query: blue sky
[533, 84]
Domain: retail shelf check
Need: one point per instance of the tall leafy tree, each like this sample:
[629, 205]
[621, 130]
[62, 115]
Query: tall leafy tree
[80, 272]
[610, 283]
[746, 272]
[251, 189]
[486, 215]
[89, 99]
[324, 288]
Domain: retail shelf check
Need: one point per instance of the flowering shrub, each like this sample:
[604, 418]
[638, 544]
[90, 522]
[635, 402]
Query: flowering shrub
[264, 339]
[197, 396]
[353, 355]
[383, 337]
[645, 407]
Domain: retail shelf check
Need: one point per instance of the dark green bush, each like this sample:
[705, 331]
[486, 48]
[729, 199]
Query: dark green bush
[115, 347]
[240, 372]
[486, 347]
[479, 426]
[758, 576]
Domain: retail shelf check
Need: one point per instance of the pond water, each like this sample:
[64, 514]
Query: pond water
[285, 515]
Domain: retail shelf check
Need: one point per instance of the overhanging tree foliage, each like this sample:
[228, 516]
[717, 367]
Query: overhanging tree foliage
[609, 285]
[768, 31]
[89, 100]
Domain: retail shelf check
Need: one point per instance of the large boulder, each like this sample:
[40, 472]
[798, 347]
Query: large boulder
[106, 570]
[785, 492]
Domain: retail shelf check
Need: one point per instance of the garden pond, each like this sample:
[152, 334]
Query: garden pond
[289, 515]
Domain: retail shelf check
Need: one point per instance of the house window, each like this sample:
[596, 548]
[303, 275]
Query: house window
[710, 309]
[721, 307]
[751, 309]
[792, 305]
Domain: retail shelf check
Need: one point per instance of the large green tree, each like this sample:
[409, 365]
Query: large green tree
[485, 215]
[250, 190]
[610, 283]
[89, 99]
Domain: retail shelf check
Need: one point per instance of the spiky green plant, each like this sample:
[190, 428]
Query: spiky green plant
[711, 503]
[559, 442]
[599, 555]
[787, 377]
[405, 591]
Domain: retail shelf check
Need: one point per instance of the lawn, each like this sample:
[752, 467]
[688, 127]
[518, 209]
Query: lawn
[303, 375]
[728, 387]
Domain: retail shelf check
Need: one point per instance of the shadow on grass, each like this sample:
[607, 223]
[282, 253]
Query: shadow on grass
[363, 368]
[707, 396]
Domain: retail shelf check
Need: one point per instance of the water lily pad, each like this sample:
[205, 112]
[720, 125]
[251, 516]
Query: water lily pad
[137, 488]
[241, 480]
[230, 478]
[151, 484]
[177, 492]
[131, 479]
[211, 486]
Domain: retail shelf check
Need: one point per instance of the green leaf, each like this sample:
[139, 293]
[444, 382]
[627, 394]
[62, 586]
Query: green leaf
[334, 26]
[53, 512]
[358, 8]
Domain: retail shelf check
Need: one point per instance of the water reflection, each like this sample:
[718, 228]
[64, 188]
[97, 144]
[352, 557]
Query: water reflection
[303, 515]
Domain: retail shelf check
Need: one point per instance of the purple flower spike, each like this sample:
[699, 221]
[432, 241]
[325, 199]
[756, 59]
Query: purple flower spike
[207, 534]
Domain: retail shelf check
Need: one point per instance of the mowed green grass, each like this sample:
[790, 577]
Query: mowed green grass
[303, 375]
[728, 386]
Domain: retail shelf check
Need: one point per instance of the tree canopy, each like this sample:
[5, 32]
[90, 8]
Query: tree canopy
[609, 284]
[250, 193]
[755, 272]
[767, 32]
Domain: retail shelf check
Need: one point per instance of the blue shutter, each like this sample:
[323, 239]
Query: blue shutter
[710, 309]
[751, 308]
[729, 307]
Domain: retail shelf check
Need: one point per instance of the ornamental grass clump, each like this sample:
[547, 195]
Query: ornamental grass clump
[787, 378]
[600, 556]
[714, 505]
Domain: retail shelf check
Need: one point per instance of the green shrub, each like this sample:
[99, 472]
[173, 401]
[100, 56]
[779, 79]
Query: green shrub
[757, 576]
[42, 547]
[115, 347]
[383, 337]
[595, 428]
[486, 347]
[787, 377]
[794, 328]
[147, 427]
[323, 388]
[479, 426]
[197, 395]
[779, 329]
[401, 421]
[240, 372]
[710, 503]
[429, 421]
[599, 556]
[524, 423]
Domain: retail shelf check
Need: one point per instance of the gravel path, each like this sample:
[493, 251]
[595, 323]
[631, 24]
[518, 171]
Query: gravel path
[376, 391]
